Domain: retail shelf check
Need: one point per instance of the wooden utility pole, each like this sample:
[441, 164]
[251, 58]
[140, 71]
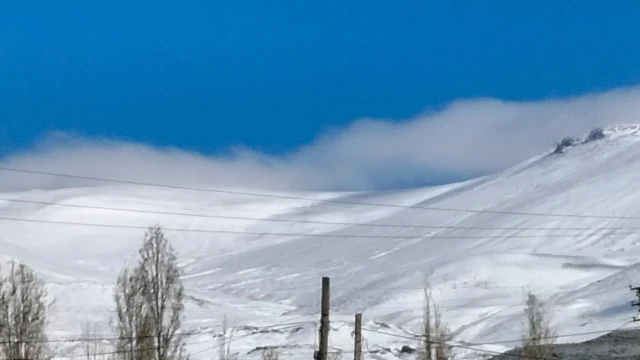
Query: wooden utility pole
[636, 303]
[357, 352]
[323, 352]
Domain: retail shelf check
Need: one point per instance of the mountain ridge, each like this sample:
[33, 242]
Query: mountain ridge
[580, 265]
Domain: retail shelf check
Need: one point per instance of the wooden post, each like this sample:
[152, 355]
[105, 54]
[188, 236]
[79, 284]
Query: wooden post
[324, 320]
[357, 352]
[636, 303]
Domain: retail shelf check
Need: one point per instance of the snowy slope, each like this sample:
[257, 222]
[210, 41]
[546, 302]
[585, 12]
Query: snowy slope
[581, 265]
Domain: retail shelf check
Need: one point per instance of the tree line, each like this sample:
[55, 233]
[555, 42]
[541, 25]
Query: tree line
[538, 338]
[149, 299]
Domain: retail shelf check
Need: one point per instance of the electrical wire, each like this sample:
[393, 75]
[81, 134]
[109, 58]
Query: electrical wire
[599, 332]
[468, 346]
[249, 335]
[290, 197]
[316, 222]
[256, 233]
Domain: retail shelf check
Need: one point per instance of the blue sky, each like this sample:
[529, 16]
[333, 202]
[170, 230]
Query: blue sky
[275, 76]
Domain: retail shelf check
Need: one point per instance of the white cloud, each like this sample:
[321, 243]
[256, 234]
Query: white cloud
[467, 138]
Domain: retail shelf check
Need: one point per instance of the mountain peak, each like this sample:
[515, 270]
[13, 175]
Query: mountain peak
[600, 133]
[613, 131]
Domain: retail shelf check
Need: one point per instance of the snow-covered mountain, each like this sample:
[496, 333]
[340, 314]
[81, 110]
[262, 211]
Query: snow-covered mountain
[564, 225]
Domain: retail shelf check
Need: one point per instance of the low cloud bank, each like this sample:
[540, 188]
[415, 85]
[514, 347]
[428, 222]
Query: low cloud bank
[466, 139]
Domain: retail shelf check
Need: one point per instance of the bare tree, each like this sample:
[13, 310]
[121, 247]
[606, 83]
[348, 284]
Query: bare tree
[441, 337]
[435, 335]
[90, 342]
[145, 338]
[427, 325]
[93, 346]
[538, 339]
[271, 353]
[23, 315]
[129, 310]
[150, 303]
[224, 342]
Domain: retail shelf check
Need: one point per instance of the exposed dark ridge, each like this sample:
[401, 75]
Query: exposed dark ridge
[570, 141]
[618, 345]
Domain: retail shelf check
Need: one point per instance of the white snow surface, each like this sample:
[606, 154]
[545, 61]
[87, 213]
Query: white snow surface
[268, 286]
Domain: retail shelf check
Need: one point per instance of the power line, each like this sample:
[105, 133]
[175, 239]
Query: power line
[290, 197]
[464, 347]
[621, 327]
[317, 222]
[230, 232]
[248, 335]
[449, 344]
[109, 338]
[467, 346]
[420, 336]
[286, 323]
[101, 339]
[114, 352]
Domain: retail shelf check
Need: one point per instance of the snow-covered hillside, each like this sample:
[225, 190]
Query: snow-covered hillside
[522, 235]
